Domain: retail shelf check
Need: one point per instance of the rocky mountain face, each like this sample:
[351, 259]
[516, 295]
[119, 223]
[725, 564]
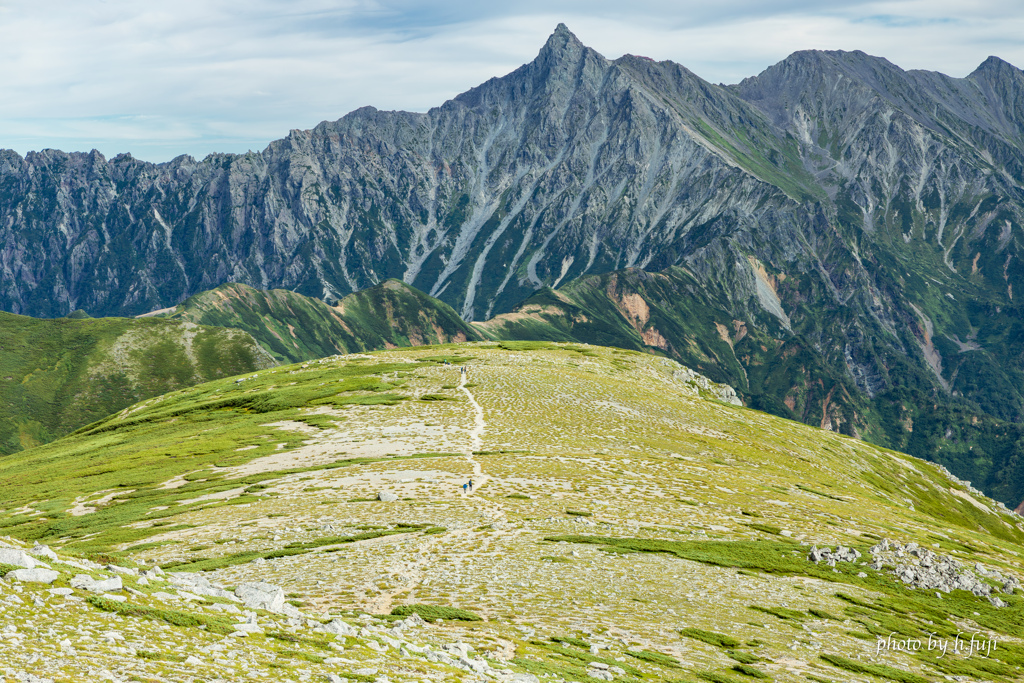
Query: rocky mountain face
[861, 223]
[571, 164]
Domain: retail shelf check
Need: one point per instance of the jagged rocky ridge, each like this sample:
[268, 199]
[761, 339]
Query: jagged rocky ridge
[860, 222]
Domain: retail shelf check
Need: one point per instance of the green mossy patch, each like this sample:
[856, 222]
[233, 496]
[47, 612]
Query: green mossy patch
[170, 616]
[710, 637]
[880, 670]
[658, 658]
[435, 613]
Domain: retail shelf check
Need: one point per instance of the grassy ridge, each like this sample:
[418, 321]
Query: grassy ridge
[199, 430]
[57, 375]
[787, 373]
[293, 327]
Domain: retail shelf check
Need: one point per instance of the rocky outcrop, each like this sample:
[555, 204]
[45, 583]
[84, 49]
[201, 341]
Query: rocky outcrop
[922, 568]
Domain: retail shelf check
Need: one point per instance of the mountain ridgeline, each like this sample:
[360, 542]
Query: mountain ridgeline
[292, 327]
[837, 238]
[58, 375]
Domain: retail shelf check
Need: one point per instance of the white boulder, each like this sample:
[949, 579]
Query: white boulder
[86, 582]
[19, 558]
[261, 595]
[34, 575]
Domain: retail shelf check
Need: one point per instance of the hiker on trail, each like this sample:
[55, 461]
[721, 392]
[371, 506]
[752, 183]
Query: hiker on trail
[470, 484]
[464, 488]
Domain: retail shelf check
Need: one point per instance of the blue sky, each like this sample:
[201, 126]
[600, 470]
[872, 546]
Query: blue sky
[158, 78]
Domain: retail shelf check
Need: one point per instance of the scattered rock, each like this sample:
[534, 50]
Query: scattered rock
[338, 628]
[34, 575]
[86, 582]
[19, 558]
[198, 584]
[386, 497]
[127, 571]
[43, 551]
[830, 557]
[922, 568]
[261, 595]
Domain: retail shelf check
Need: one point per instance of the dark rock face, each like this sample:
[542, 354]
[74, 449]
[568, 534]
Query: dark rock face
[571, 164]
[863, 220]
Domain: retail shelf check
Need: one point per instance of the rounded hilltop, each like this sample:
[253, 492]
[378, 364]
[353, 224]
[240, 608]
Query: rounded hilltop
[627, 520]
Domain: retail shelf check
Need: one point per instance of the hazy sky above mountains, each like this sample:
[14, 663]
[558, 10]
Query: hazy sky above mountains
[159, 78]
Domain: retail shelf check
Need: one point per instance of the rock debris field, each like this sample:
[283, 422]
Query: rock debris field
[626, 522]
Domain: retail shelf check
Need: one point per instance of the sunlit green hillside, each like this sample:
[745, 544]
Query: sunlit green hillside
[625, 520]
[57, 375]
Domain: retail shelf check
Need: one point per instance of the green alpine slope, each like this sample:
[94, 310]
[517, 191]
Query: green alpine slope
[57, 375]
[293, 327]
[786, 367]
[626, 520]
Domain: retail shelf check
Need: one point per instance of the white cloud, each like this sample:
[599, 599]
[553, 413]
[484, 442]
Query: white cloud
[159, 78]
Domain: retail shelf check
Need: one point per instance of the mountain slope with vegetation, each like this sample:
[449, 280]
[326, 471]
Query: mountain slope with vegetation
[293, 327]
[58, 375]
[788, 372]
[861, 223]
[623, 524]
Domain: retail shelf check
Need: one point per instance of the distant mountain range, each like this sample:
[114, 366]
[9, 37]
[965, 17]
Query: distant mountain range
[837, 238]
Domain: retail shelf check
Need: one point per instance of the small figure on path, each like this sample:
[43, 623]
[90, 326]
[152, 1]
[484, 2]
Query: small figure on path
[470, 484]
[464, 488]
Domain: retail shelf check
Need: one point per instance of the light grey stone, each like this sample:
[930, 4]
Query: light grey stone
[19, 558]
[338, 628]
[43, 551]
[34, 575]
[262, 595]
[88, 583]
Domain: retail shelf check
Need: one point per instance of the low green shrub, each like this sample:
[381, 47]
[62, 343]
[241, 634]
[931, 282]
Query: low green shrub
[742, 657]
[5, 568]
[713, 677]
[747, 670]
[435, 612]
[879, 670]
[305, 656]
[654, 658]
[822, 614]
[710, 637]
[160, 656]
[780, 612]
[170, 616]
[569, 640]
